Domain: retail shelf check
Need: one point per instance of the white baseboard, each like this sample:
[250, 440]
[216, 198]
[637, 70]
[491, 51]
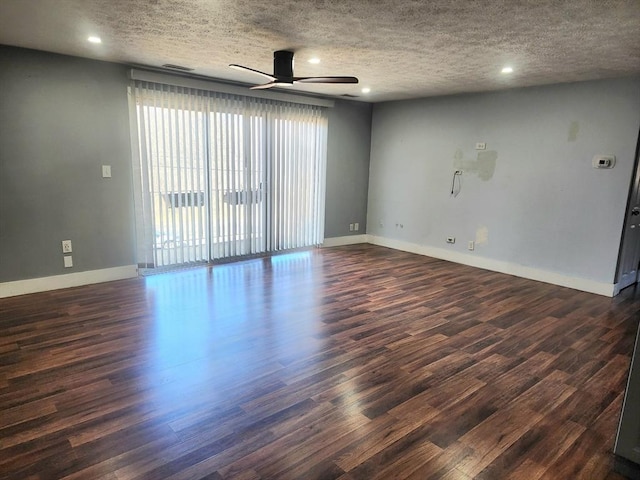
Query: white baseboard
[33, 285]
[585, 285]
[346, 240]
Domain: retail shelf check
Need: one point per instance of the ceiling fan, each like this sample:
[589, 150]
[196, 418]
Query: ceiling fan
[283, 73]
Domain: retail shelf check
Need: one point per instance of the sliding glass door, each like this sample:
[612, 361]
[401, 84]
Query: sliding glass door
[237, 181]
[224, 176]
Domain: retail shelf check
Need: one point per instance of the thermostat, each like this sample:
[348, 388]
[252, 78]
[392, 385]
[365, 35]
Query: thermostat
[604, 161]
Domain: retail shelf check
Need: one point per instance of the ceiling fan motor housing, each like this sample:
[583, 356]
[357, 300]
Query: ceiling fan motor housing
[283, 65]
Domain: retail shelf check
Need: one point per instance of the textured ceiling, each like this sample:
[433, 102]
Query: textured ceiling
[400, 49]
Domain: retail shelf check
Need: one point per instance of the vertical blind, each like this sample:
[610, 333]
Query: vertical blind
[222, 175]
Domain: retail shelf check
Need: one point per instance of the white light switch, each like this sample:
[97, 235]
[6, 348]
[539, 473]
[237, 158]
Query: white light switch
[68, 261]
[106, 171]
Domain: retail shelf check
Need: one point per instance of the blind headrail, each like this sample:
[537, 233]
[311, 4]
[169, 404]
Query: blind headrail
[181, 81]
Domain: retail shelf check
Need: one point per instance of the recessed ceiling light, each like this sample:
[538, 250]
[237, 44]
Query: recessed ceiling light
[93, 39]
[366, 90]
[507, 70]
[314, 60]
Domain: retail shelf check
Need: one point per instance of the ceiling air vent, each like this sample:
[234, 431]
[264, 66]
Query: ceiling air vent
[180, 68]
[348, 95]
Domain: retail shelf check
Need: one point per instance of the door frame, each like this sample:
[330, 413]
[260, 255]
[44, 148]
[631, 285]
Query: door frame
[627, 219]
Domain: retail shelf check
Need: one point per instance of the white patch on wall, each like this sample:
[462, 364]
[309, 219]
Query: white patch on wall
[484, 166]
[482, 236]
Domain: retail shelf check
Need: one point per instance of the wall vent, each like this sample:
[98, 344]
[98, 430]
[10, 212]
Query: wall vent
[177, 67]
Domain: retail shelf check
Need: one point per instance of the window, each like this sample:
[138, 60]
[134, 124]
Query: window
[222, 175]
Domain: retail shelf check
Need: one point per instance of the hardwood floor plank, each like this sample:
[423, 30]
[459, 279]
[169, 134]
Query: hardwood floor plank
[25, 412]
[493, 436]
[442, 393]
[583, 459]
[443, 465]
[541, 445]
[412, 446]
[299, 444]
[355, 362]
[544, 396]
[373, 438]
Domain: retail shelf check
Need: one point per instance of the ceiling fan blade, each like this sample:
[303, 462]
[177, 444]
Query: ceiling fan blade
[325, 80]
[247, 69]
[283, 73]
[266, 85]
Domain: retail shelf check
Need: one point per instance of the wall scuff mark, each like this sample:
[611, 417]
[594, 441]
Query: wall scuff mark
[574, 129]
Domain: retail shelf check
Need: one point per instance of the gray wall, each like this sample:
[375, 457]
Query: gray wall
[348, 152]
[532, 198]
[61, 118]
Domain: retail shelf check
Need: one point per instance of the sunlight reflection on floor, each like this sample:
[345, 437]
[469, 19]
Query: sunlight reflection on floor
[203, 315]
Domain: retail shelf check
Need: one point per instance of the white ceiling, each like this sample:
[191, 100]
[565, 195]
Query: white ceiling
[400, 49]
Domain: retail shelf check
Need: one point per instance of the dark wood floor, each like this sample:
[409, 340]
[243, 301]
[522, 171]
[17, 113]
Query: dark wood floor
[354, 363]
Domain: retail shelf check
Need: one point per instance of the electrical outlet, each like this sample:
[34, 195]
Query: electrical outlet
[66, 246]
[356, 226]
[451, 239]
[351, 227]
[481, 146]
[471, 245]
[604, 161]
[68, 261]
